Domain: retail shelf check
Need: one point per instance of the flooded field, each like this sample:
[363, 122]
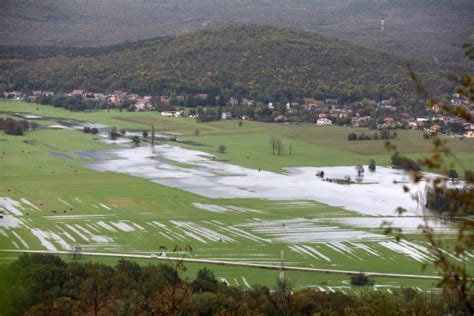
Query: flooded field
[375, 193]
[109, 196]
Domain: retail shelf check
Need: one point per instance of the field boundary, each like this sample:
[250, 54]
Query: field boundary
[228, 263]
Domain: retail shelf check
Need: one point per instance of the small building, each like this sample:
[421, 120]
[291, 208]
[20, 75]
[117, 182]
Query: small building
[413, 124]
[323, 122]
[165, 100]
[469, 134]
[202, 96]
[435, 129]
[247, 102]
[389, 122]
[168, 113]
[331, 101]
[16, 95]
[226, 115]
[233, 101]
[281, 119]
[77, 92]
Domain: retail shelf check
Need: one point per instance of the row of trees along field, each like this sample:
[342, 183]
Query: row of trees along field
[47, 285]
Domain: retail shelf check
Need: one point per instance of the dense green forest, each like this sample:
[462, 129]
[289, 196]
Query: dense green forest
[47, 285]
[260, 62]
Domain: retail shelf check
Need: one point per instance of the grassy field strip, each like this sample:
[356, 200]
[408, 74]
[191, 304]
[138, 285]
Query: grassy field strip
[230, 263]
[249, 145]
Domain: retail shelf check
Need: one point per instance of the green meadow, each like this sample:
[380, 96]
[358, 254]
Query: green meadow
[118, 213]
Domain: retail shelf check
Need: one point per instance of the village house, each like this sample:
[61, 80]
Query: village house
[226, 115]
[202, 96]
[247, 102]
[141, 104]
[389, 122]
[77, 92]
[469, 134]
[345, 113]
[323, 122]
[165, 100]
[15, 95]
[168, 113]
[281, 119]
[434, 129]
[100, 96]
[413, 124]
[120, 92]
[331, 101]
[311, 106]
[335, 112]
[373, 103]
[233, 102]
[116, 99]
[360, 121]
[436, 107]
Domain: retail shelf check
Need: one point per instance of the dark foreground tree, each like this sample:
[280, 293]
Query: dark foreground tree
[449, 257]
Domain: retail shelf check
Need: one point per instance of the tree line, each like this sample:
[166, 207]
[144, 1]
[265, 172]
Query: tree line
[383, 134]
[16, 127]
[47, 285]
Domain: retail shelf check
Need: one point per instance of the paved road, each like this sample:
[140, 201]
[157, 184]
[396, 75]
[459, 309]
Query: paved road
[228, 263]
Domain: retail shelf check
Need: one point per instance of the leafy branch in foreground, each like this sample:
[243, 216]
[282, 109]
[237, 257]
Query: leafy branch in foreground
[453, 202]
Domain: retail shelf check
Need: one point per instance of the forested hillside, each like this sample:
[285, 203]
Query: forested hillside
[426, 29]
[261, 62]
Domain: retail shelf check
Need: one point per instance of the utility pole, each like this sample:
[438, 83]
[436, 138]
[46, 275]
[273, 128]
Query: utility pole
[152, 134]
[282, 268]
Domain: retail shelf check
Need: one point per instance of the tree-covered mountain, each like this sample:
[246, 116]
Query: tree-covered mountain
[260, 62]
[425, 29]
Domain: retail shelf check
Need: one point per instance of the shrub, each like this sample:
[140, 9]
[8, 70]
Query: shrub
[221, 149]
[372, 165]
[361, 279]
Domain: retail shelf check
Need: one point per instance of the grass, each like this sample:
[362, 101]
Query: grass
[42, 167]
[249, 145]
